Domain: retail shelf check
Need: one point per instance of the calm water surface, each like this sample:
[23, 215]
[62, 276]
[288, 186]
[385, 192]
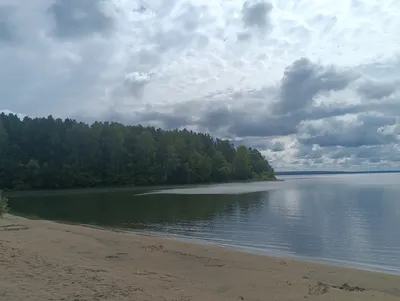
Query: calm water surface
[351, 220]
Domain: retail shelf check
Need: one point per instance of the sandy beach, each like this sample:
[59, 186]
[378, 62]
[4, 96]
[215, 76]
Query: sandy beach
[43, 260]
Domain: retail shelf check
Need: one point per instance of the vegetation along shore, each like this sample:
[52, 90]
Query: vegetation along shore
[49, 153]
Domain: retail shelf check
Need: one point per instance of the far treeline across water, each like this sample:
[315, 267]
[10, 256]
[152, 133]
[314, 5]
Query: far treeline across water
[48, 153]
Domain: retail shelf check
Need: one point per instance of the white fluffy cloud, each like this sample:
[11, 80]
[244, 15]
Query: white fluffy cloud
[314, 83]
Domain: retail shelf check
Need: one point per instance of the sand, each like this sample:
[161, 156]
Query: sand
[43, 260]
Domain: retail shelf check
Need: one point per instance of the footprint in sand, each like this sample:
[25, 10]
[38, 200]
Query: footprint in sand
[349, 288]
[13, 228]
[155, 248]
[319, 289]
[112, 257]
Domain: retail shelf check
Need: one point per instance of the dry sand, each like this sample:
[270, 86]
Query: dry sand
[42, 260]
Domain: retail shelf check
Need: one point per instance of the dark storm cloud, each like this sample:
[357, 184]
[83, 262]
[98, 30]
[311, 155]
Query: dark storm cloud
[79, 18]
[256, 14]
[303, 80]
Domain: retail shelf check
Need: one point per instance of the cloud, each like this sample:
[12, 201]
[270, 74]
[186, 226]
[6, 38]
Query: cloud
[77, 18]
[277, 147]
[7, 32]
[303, 80]
[256, 14]
[8, 112]
[135, 83]
[256, 19]
[377, 89]
[347, 131]
[165, 120]
[243, 36]
[308, 82]
[273, 144]
[279, 110]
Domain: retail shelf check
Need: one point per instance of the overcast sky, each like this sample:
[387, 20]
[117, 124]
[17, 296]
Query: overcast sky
[315, 84]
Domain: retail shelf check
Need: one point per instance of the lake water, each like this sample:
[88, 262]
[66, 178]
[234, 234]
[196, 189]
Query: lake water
[351, 220]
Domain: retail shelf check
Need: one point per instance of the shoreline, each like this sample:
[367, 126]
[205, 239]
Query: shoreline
[249, 250]
[17, 193]
[45, 260]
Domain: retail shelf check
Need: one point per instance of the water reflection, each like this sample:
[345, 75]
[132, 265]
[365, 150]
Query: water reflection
[346, 224]
[344, 219]
[122, 208]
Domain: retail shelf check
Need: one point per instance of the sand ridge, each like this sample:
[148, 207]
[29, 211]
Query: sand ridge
[43, 260]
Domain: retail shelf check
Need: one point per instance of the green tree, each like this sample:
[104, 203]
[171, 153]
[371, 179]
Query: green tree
[49, 153]
[221, 169]
[241, 164]
[3, 137]
[33, 174]
[201, 168]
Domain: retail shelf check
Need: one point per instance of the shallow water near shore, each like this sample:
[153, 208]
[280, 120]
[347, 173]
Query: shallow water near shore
[351, 220]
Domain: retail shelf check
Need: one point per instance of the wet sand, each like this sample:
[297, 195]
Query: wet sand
[43, 260]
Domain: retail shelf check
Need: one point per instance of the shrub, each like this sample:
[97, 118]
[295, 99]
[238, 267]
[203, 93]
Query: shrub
[3, 206]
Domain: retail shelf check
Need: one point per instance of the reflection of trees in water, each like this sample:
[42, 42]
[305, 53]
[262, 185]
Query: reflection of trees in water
[253, 202]
[124, 209]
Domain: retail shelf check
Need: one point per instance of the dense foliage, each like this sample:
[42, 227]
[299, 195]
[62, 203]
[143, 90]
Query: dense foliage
[48, 153]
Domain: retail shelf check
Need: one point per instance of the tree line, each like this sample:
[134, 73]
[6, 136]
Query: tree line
[49, 153]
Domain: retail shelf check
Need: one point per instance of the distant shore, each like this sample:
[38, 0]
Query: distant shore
[43, 260]
[329, 172]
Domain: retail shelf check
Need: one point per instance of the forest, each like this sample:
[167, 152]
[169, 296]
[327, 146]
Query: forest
[50, 153]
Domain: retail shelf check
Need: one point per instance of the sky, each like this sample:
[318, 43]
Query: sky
[313, 84]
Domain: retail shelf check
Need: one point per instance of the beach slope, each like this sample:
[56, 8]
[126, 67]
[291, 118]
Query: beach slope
[43, 260]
